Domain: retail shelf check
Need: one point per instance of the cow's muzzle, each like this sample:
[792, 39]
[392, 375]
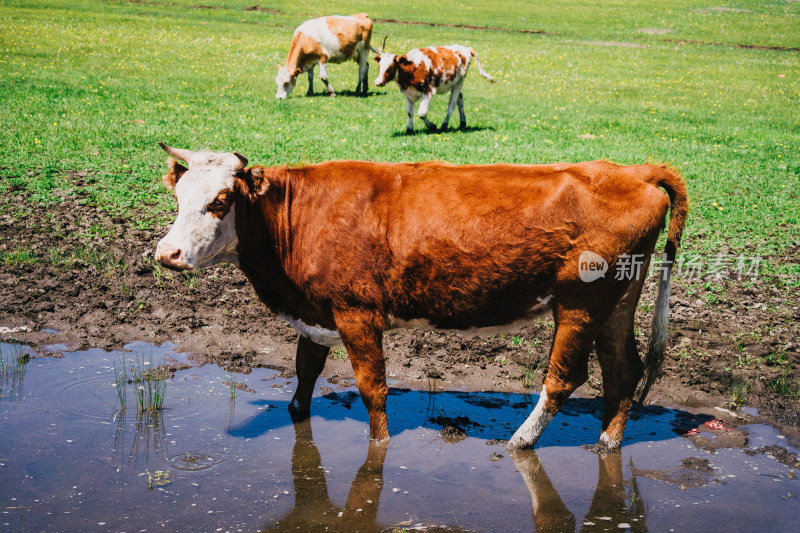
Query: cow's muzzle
[171, 257]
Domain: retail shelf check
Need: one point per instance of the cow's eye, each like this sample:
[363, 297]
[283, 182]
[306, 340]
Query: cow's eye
[216, 205]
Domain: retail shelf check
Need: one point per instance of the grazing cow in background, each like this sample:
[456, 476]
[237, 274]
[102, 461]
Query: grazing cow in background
[324, 40]
[423, 72]
[346, 249]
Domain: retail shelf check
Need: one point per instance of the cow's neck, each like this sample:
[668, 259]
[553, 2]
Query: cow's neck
[263, 226]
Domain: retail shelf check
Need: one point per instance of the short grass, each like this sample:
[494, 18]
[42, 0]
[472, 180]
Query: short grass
[94, 85]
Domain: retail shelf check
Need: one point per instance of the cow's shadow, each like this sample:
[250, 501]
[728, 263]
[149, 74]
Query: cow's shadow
[484, 415]
[347, 93]
[451, 129]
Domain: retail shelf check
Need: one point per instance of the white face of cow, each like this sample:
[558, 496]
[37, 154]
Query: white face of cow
[286, 83]
[204, 233]
[387, 69]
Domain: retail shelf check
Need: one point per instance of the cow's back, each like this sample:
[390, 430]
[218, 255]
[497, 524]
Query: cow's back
[336, 37]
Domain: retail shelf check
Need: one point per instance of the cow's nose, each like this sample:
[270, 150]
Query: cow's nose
[168, 255]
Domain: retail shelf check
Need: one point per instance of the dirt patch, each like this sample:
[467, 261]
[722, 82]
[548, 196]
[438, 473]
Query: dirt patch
[75, 278]
[692, 472]
[779, 453]
[264, 9]
[654, 31]
[619, 44]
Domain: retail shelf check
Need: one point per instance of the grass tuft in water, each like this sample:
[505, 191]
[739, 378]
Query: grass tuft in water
[150, 385]
[121, 383]
[12, 369]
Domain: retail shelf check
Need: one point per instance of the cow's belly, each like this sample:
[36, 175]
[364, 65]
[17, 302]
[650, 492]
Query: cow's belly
[336, 55]
[446, 87]
[474, 327]
[331, 338]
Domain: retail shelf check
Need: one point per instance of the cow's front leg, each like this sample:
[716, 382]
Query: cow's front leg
[362, 334]
[410, 107]
[454, 96]
[310, 362]
[424, 106]
[567, 370]
[323, 75]
[310, 90]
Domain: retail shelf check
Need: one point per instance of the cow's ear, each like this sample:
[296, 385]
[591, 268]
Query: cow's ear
[255, 180]
[296, 72]
[377, 59]
[176, 170]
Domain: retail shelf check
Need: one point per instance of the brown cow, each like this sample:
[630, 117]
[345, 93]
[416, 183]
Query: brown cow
[346, 249]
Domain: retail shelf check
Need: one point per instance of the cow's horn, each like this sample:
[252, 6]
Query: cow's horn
[384, 44]
[242, 161]
[177, 153]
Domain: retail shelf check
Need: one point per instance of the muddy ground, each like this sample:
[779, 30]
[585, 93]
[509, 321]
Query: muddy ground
[89, 280]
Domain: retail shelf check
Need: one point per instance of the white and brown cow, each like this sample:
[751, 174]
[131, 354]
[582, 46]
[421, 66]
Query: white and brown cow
[423, 72]
[346, 249]
[324, 40]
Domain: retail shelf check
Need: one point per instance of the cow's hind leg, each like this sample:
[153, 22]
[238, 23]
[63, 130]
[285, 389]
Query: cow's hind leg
[462, 117]
[363, 75]
[455, 94]
[310, 90]
[310, 362]
[362, 334]
[568, 370]
[620, 365]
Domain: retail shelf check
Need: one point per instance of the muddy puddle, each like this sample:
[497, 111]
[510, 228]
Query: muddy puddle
[224, 455]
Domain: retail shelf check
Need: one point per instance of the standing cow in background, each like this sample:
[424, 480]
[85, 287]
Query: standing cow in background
[324, 40]
[423, 72]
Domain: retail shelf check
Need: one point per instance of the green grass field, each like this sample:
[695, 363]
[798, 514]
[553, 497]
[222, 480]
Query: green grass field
[713, 89]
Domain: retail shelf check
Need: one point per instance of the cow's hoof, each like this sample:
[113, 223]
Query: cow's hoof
[409, 131]
[601, 449]
[519, 444]
[462, 126]
[444, 128]
[432, 127]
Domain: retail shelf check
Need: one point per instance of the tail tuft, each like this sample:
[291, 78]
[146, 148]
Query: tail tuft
[671, 181]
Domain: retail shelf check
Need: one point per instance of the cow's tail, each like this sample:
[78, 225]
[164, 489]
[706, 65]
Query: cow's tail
[480, 68]
[670, 180]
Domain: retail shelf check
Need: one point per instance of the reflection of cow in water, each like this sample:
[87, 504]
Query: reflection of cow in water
[313, 510]
[551, 515]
